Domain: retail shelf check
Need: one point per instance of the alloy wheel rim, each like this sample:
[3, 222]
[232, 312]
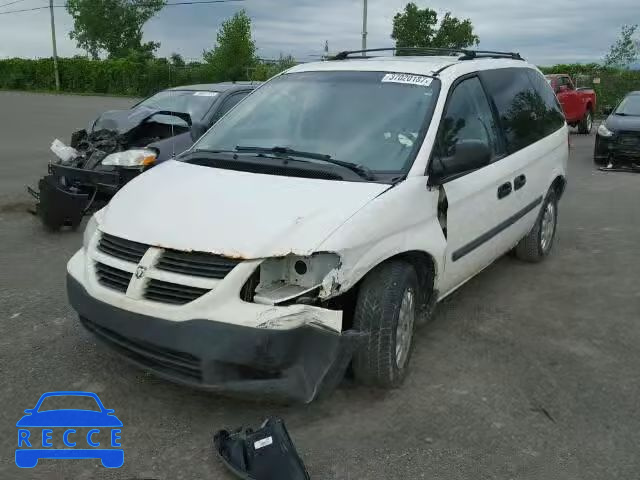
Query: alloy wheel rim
[589, 122]
[548, 226]
[404, 330]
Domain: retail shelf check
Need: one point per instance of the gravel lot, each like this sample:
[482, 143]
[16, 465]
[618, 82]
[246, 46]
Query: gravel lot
[529, 371]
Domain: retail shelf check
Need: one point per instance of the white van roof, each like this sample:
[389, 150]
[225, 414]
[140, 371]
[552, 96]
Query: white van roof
[417, 65]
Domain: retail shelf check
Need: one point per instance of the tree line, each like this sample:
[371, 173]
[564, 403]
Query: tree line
[117, 61]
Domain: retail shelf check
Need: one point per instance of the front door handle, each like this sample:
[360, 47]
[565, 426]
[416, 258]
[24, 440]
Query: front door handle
[519, 182]
[504, 190]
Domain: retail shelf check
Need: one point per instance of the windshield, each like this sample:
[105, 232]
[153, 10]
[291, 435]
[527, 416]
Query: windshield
[629, 106]
[373, 119]
[66, 402]
[195, 103]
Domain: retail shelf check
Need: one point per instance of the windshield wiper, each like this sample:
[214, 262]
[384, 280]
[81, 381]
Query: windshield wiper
[360, 170]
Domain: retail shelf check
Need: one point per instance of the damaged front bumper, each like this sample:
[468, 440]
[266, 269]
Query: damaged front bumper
[66, 194]
[295, 364]
[617, 150]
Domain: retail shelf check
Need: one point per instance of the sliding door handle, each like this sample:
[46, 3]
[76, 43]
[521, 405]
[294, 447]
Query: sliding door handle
[519, 182]
[504, 190]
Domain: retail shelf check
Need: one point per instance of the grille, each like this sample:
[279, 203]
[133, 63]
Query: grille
[196, 264]
[151, 356]
[121, 248]
[113, 278]
[166, 292]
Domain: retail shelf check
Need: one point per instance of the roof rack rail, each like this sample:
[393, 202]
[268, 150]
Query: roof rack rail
[464, 54]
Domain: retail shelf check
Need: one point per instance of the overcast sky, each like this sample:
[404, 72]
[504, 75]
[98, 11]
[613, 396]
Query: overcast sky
[544, 31]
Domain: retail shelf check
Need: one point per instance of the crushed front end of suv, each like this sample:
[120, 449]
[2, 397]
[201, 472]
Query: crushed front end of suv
[121, 144]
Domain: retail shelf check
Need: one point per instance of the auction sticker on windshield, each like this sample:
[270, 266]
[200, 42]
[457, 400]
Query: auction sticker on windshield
[407, 79]
[69, 425]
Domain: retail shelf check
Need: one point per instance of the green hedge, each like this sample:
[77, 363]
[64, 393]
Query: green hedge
[128, 77]
[117, 77]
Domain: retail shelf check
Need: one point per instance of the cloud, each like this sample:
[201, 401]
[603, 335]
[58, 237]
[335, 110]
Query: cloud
[544, 31]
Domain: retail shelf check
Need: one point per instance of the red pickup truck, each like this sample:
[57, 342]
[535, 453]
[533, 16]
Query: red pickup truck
[579, 104]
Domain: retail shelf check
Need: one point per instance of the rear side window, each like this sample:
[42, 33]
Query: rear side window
[553, 117]
[525, 110]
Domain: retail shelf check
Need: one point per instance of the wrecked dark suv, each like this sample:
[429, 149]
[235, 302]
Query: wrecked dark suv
[121, 144]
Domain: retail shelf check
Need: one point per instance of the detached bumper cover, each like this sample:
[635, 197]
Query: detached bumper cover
[67, 193]
[293, 365]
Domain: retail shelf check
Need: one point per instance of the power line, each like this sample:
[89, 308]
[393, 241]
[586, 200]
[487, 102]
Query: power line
[201, 2]
[11, 3]
[29, 9]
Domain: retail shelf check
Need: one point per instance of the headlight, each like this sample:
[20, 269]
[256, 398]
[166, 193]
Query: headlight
[131, 158]
[89, 231]
[603, 131]
[284, 279]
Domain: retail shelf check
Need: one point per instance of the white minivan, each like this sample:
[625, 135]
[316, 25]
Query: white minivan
[322, 218]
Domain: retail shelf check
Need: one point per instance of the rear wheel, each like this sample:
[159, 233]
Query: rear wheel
[386, 310]
[586, 124]
[537, 245]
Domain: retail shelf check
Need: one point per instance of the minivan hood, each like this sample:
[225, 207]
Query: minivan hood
[236, 214]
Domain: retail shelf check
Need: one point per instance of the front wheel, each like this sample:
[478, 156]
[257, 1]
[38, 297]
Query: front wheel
[386, 311]
[586, 124]
[537, 245]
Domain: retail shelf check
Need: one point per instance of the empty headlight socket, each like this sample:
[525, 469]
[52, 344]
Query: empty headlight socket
[294, 278]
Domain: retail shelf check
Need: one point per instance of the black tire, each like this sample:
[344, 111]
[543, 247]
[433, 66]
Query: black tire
[532, 248]
[586, 124]
[377, 312]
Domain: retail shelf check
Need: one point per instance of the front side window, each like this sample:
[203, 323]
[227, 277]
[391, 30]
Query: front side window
[566, 81]
[373, 119]
[525, 116]
[467, 118]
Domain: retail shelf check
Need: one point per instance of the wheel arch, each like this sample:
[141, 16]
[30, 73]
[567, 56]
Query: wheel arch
[426, 268]
[559, 184]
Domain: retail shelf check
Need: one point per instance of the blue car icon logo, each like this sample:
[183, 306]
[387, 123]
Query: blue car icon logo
[83, 433]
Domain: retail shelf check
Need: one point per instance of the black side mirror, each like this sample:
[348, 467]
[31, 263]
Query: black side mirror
[470, 155]
[607, 110]
[197, 130]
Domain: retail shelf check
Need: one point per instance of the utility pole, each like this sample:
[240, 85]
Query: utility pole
[364, 28]
[55, 50]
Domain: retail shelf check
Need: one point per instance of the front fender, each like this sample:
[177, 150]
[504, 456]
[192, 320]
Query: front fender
[403, 219]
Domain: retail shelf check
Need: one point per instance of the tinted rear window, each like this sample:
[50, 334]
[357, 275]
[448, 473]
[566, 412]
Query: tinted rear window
[526, 110]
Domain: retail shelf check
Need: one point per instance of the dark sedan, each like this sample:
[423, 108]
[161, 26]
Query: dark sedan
[618, 138]
[121, 144]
